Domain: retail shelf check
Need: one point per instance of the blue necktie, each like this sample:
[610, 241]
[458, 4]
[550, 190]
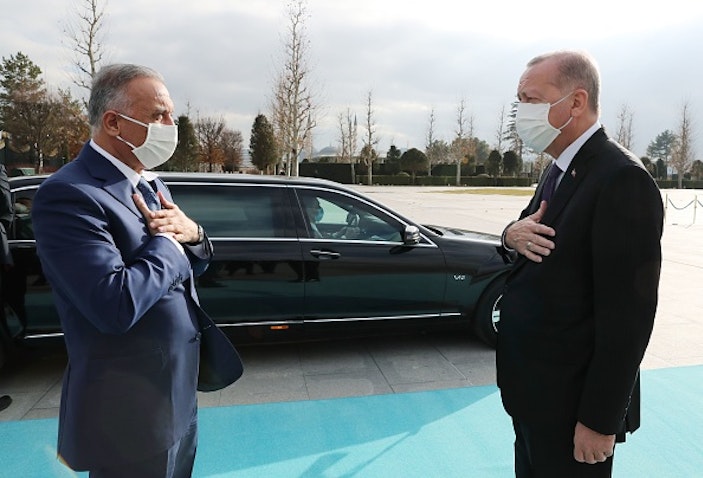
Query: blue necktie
[551, 182]
[150, 198]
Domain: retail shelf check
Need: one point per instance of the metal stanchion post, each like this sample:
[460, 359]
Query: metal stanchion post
[695, 207]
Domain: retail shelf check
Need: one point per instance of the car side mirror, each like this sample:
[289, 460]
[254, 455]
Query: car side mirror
[411, 235]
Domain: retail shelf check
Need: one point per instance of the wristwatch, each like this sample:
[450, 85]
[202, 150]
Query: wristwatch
[201, 235]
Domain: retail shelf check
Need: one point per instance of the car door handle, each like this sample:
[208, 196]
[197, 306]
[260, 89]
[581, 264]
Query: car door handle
[323, 255]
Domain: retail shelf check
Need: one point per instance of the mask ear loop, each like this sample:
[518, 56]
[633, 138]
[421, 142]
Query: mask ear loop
[562, 99]
[147, 126]
[559, 101]
[567, 123]
[133, 121]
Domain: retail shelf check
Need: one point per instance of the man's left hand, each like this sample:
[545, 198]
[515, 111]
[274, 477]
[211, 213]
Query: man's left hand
[590, 446]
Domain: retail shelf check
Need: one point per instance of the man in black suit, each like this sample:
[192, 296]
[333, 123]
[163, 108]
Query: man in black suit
[579, 305]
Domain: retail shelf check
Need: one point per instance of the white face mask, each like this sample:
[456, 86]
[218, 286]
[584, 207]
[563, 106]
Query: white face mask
[533, 126]
[159, 145]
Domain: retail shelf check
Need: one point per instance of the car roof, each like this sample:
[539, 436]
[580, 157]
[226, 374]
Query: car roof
[248, 178]
[224, 178]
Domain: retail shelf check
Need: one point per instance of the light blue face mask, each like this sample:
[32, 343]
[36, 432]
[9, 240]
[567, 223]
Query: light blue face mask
[533, 126]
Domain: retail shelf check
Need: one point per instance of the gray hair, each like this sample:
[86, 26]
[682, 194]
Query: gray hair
[575, 70]
[109, 89]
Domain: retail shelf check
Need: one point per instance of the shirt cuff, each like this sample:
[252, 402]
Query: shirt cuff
[502, 237]
[172, 239]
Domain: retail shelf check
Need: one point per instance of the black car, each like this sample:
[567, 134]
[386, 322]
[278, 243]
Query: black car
[292, 254]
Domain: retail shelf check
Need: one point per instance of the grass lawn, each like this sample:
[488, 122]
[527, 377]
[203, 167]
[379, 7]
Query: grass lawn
[497, 191]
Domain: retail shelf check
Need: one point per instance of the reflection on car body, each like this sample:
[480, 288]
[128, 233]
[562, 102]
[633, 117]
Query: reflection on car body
[294, 252]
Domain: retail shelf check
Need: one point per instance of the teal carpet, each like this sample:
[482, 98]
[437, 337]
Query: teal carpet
[447, 433]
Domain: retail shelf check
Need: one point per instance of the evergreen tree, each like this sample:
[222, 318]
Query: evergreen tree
[413, 160]
[493, 163]
[185, 158]
[393, 154]
[392, 163]
[662, 148]
[46, 125]
[511, 163]
[262, 144]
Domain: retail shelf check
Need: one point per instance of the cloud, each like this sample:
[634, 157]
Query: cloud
[220, 58]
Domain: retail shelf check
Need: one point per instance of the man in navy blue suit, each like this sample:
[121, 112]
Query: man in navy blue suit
[121, 260]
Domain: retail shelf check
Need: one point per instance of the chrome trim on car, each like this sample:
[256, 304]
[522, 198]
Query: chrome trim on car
[52, 335]
[270, 323]
[375, 319]
[346, 319]
[252, 238]
[359, 241]
[22, 242]
[24, 188]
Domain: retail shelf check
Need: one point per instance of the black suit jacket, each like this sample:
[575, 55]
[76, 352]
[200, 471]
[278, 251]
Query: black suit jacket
[574, 328]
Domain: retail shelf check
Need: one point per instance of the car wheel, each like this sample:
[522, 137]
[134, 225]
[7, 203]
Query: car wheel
[487, 313]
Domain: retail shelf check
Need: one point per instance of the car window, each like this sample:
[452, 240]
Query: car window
[21, 227]
[236, 210]
[337, 216]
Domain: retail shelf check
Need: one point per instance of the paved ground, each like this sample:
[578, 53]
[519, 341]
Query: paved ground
[678, 334]
[396, 364]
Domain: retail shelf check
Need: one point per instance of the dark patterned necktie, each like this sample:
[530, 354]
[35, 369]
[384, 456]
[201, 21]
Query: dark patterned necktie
[551, 182]
[150, 198]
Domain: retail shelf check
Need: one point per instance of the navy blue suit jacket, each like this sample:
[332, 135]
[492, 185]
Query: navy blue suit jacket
[574, 328]
[129, 313]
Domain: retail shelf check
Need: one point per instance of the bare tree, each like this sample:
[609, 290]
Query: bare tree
[625, 133]
[308, 144]
[70, 128]
[85, 35]
[209, 132]
[348, 138]
[429, 149]
[293, 103]
[460, 147]
[471, 155]
[540, 164]
[231, 142]
[368, 152]
[682, 157]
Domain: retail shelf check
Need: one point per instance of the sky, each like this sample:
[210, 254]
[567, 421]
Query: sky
[220, 57]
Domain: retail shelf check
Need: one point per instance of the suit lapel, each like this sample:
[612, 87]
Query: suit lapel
[112, 179]
[574, 175]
